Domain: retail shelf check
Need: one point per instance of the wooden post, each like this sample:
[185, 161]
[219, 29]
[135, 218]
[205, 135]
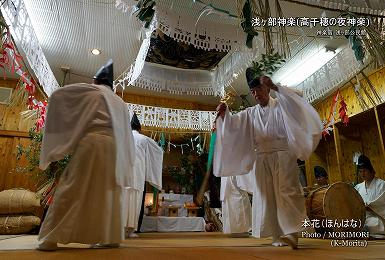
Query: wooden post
[381, 139]
[309, 173]
[337, 143]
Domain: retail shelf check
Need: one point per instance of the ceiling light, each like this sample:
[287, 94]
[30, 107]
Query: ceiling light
[302, 70]
[95, 51]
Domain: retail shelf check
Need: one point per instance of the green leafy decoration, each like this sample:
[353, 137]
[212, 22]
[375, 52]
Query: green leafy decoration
[247, 24]
[32, 155]
[267, 65]
[146, 11]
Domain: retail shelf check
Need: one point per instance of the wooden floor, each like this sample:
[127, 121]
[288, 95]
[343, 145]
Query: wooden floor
[186, 246]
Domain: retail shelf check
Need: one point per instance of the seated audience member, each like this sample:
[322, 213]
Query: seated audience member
[372, 191]
[321, 176]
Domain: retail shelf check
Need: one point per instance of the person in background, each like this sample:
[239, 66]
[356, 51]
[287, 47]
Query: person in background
[148, 167]
[236, 206]
[372, 191]
[321, 176]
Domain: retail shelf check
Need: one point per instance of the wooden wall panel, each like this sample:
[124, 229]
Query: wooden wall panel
[10, 118]
[371, 148]
[347, 91]
[9, 176]
[361, 134]
[350, 144]
[13, 131]
[331, 160]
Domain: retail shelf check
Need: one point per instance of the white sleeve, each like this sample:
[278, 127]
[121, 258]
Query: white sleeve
[302, 122]
[378, 205]
[234, 147]
[154, 164]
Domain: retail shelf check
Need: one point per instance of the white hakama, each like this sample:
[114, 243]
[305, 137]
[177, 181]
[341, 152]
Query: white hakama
[236, 207]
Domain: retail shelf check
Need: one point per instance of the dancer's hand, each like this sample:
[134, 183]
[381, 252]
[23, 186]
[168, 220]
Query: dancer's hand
[265, 80]
[221, 110]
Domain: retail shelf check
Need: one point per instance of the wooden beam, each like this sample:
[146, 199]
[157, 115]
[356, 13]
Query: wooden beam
[381, 143]
[13, 133]
[337, 143]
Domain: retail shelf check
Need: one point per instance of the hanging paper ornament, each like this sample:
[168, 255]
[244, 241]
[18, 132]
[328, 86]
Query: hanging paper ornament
[330, 121]
[169, 143]
[199, 146]
[343, 112]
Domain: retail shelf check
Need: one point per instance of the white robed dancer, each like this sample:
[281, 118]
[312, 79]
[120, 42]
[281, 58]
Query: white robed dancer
[236, 206]
[91, 123]
[148, 167]
[269, 137]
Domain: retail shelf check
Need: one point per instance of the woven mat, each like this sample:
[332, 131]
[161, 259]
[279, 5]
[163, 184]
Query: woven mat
[172, 240]
[151, 240]
[4, 237]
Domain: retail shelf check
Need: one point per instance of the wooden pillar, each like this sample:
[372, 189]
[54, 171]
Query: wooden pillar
[309, 173]
[381, 141]
[337, 143]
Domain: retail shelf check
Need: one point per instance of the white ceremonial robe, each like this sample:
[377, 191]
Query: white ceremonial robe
[92, 124]
[148, 167]
[374, 198]
[236, 206]
[270, 139]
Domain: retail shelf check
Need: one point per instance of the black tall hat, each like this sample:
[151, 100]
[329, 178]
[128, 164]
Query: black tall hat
[135, 124]
[320, 172]
[364, 163]
[252, 79]
[105, 74]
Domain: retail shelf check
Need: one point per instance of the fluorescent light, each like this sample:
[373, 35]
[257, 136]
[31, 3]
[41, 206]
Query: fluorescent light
[302, 70]
[95, 51]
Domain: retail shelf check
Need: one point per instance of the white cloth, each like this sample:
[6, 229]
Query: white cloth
[374, 198]
[70, 112]
[172, 224]
[132, 204]
[236, 207]
[246, 182]
[270, 138]
[176, 200]
[148, 167]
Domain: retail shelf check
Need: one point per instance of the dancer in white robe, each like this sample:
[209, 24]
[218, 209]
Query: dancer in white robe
[270, 137]
[91, 123]
[148, 167]
[372, 191]
[236, 206]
